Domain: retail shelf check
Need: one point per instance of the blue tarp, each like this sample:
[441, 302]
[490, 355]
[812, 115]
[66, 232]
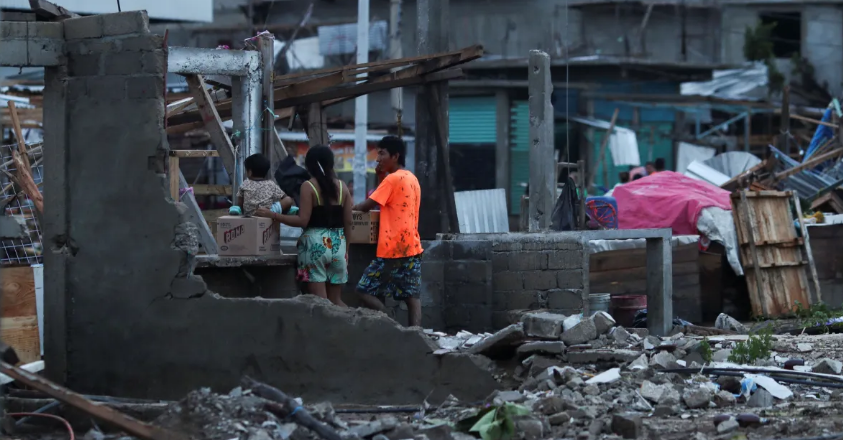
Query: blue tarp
[822, 134]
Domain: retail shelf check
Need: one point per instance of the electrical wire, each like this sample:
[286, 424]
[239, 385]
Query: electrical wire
[47, 416]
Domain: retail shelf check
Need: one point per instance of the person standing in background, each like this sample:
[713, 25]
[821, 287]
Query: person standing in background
[397, 267]
[659, 165]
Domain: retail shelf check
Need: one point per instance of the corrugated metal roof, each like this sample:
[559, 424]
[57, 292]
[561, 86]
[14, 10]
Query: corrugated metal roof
[472, 120]
[482, 211]
[747, 83]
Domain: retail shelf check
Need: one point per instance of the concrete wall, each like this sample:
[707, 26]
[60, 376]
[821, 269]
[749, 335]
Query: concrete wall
[125, 316]
[822, 29]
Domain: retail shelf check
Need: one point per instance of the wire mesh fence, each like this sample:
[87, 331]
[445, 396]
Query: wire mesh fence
[28, 250]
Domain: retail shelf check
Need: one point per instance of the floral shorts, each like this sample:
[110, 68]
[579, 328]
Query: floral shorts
[399, 277]
[322, 256]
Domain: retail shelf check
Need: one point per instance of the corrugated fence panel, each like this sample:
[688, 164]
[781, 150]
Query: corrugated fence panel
[482, 211]
[472, 120]
[519, 154]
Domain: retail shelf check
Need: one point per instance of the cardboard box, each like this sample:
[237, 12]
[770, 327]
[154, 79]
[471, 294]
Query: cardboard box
[247, 236]
[365, 227]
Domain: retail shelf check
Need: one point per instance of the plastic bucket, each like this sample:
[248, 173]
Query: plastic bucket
[624, 308]
[599, 302]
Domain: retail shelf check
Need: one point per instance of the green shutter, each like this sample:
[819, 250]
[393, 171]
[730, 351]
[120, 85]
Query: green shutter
[472, 120]
[519, 155]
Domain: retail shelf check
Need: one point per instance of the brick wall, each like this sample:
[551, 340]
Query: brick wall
[31, 43]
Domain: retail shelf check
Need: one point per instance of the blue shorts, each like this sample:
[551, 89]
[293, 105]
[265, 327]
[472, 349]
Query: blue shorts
[403, 280]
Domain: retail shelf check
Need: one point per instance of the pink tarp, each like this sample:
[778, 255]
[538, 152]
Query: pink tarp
[667, 200]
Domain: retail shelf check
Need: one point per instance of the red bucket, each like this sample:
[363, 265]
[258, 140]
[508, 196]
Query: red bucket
[624, 308]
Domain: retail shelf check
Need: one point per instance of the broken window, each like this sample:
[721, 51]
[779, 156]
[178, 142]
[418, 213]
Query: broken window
[786, 35]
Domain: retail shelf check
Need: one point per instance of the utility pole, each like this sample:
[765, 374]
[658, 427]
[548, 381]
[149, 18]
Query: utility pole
[361, 105]
[396, 51]
[432, 31]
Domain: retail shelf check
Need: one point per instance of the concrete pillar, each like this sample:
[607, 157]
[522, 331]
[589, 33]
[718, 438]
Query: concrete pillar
[432, 30]
[659, 286]
[502, 174]
[542, 163]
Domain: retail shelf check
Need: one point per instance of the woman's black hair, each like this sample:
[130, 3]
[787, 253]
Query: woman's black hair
[320, 164]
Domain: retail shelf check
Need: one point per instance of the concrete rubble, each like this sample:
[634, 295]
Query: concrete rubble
[618, 390]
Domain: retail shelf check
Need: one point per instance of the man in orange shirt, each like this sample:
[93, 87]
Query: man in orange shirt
[397, 268]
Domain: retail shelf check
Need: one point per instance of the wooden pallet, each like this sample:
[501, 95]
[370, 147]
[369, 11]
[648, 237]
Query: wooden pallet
[19, 321]
[778, 262]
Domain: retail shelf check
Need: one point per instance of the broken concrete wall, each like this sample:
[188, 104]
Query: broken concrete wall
[125, 315]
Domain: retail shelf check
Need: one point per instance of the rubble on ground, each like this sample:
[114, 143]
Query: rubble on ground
[571, 377]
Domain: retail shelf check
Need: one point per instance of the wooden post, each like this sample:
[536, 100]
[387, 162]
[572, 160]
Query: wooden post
[174, 178]
[603, 145]
[581, 183]
[784, 128]
[316, 125]
[444, 153]
[432, 30]
[266, 47]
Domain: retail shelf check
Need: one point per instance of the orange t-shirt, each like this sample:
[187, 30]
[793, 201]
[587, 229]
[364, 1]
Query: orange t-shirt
[399, 196]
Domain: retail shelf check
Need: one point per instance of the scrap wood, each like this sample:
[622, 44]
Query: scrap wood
[23, 169]
[344, 84]
[286, 406]
[809, 164]
[128, 424]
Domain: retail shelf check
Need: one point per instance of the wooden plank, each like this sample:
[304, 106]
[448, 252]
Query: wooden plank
[809, 164]
[18, 292]
[638, 274]
[174, 177]
[23, 171]
[440, 126]
[194, 153]
[213, 123]
[778, 264]
[756, 296]
[21, 333]
[811, 120]
[212, 190]
[632, 258]
[315, 124]
[13, 111]
[812, 268]
[639, 287]
[782, 243]
[101, 412]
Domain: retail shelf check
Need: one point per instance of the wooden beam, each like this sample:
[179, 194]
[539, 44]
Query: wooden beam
[213, 123]
[329, 97]
[174, 177]
[809, 164]
[443, 151]
[13, 112]
[359, 69]
[386, 82]
[212, 190]
[194, 153]
[23, 169]
[101, 412]
[50, 10]
[812, 120]
[266, 48]
[316, 124]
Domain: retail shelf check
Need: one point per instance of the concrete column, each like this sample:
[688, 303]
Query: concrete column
[659, 286]
[55, 236]
[502, 174]
[432, 31]
[542, 163]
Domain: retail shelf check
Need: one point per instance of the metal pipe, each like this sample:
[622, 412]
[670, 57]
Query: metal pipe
[361, 105]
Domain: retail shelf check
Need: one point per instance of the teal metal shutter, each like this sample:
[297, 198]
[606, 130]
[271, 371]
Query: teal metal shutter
[472, 120]
[519, 153]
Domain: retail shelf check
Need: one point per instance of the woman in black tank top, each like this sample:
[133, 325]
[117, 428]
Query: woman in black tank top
[325, 216]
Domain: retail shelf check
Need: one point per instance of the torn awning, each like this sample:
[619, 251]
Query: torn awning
[623, 144]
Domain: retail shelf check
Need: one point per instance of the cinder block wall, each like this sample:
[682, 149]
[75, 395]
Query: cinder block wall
[484, 282]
